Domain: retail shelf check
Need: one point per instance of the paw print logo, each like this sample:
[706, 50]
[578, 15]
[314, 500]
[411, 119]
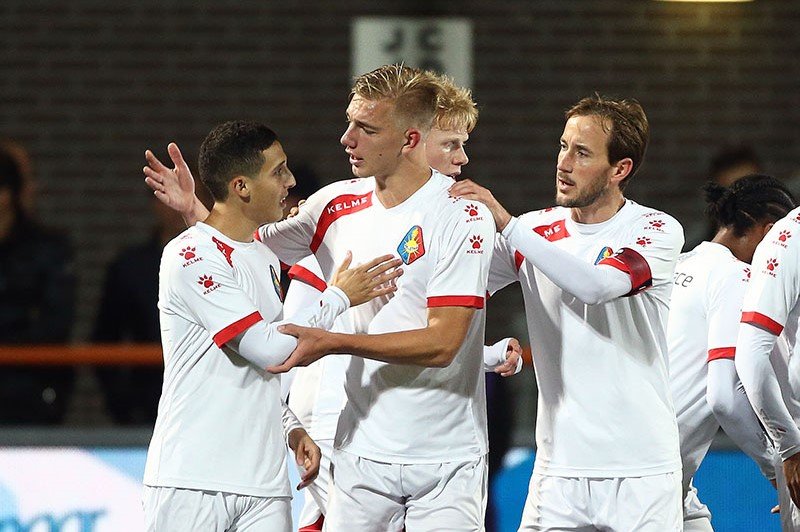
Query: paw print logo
[656, 223]
[206, 280]
[471, 209]
[746, 274]
[784, 236]
[476, 241]
[188, 253]
[772, 264]
[643, 241]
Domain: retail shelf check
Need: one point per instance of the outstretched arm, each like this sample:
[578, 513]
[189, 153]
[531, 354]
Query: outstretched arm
[174, 187]
[433, 346]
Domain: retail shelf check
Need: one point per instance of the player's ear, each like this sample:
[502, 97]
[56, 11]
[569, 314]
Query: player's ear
[238, 186]
[622, 169]
[413, 137]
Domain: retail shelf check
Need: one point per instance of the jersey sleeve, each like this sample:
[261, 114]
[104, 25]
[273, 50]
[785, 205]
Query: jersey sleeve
[208, 293]
[775, 283]
[463, 254]
[725, 295]
[504, 266]
[305, 287]
[650, 254]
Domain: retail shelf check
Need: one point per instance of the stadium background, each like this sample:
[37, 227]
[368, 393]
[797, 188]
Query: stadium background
[87, 85]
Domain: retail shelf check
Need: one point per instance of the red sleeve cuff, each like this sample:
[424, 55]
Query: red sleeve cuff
[232, 330]
[636, 266]
[721, 352]
[298, 273]
[765, 322]
[456, 301]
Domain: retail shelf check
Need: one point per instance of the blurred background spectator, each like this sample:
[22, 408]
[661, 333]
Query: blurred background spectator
[37, 297]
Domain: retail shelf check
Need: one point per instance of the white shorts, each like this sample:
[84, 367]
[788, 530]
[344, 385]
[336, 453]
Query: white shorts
[790, 516]
[368, 496]
[184, 510]
[641, 504]
[696, 515]
[316, 496]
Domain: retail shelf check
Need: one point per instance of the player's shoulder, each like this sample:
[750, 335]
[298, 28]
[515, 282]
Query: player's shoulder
[652, 219]
[785, 233]
[188, 250]
[360, 185]
[544, 216]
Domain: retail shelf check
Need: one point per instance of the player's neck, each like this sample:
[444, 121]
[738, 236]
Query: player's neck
[394, 189]
[234, 225]
[601, 210]
[736, 244]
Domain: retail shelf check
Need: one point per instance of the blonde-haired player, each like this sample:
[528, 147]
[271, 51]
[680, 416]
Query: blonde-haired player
[422, 359]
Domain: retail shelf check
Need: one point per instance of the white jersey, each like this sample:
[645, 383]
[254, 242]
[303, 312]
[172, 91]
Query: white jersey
[219, 425]
[317, 394]
[604, 403]
[403, 413]
[707, 293]
[773, 300]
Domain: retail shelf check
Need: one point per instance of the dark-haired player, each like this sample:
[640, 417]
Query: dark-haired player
[217, 457]
[708, 289]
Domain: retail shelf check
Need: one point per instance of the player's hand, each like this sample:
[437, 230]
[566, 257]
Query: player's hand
[306, 454]
[791, 469]
[470, 190]
[312, 344]
[173, 187]
[365, 282]
[294, 210]
[513, 363]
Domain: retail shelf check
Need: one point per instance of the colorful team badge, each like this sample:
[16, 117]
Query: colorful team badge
[412, 246]
[604, 254]
[276, 282]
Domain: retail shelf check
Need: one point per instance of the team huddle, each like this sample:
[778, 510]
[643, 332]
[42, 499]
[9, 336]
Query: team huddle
[379, 342]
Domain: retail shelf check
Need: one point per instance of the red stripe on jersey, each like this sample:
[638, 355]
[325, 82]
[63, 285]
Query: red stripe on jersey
[299, 273]
[456, 301]
[257, 235]
[335, 209]
[316, 526]
[765, 322]
[518, 259]
[554, 231]
[636, 266]
[229, 332]
[284, 266]
[721, 352]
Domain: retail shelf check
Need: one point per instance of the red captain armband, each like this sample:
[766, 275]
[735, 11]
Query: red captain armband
[629, 261]
[721, 352]
[298, 273]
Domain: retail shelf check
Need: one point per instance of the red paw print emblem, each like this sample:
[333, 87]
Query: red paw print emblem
[476, 241]
[188, 253]
[643, 241]
[471, 209]
[772, 264]
[784, 236]
[656, 223]
[206, 280]
[747, 273]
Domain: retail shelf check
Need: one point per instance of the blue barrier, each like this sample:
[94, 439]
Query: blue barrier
[728, 482]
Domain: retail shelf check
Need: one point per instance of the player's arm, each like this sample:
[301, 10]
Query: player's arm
[731, 407]
[591, 284]
[265, 345]
[503, 357]
[306, 453]
[435, 346]
[725, 291]
[174, 187]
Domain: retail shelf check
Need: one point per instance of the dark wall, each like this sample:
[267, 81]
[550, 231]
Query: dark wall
[88, 85]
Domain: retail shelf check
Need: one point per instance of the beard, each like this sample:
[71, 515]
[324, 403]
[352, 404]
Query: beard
[586, 197]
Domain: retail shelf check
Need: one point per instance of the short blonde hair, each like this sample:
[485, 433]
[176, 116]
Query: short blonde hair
[414, 92]
[455, 109]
